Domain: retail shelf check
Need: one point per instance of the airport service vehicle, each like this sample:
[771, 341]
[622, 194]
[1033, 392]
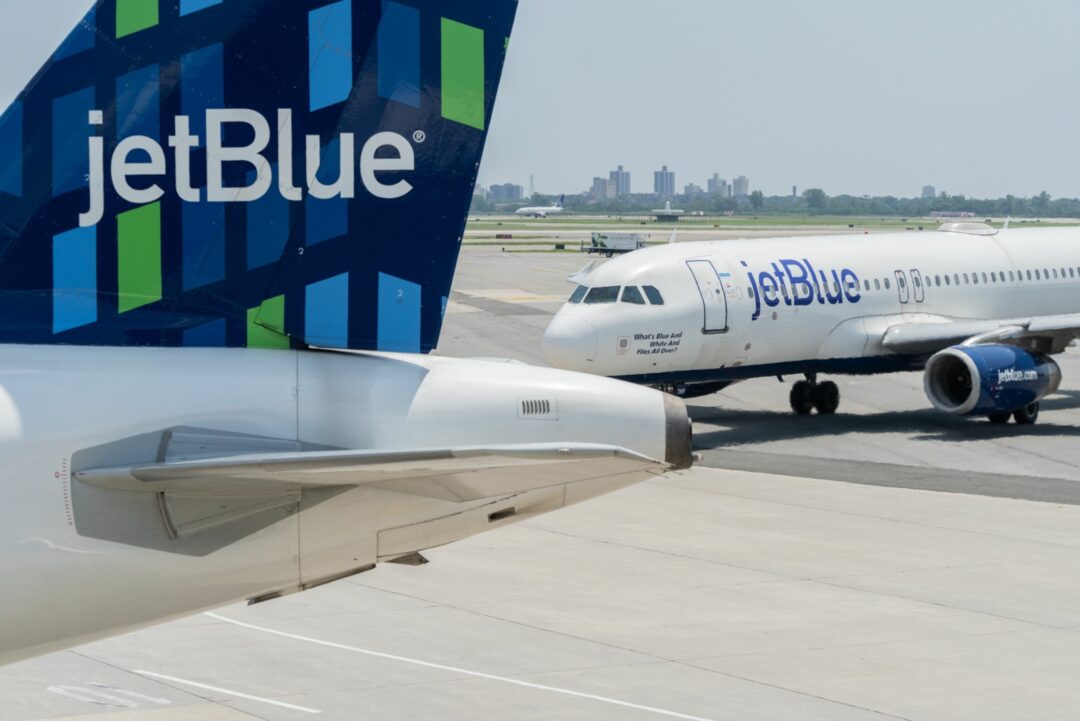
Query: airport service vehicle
[610, 244]
[213, 380]
[554, 209]
[982, 312]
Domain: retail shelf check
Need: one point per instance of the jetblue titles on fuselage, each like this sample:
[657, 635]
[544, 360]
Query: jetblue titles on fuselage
[799, 283]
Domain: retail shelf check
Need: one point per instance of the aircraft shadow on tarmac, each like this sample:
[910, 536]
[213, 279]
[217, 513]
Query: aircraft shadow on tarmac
[754, 427]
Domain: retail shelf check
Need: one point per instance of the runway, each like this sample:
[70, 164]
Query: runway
[888, 563]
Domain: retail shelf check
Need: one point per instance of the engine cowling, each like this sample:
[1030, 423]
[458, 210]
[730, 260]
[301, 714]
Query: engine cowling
[989, 379]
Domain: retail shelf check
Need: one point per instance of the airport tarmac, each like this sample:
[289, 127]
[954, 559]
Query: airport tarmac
[889, 562]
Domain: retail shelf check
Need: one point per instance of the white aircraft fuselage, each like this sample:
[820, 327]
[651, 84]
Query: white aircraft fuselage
[82, 561]
[754, 308]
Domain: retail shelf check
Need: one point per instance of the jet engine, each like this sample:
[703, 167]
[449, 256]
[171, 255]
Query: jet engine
[991, 380]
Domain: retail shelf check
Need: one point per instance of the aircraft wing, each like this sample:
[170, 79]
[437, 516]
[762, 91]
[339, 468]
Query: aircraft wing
[456, 475]
[1051, 334]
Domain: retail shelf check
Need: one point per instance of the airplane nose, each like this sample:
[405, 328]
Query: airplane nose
[570, 342]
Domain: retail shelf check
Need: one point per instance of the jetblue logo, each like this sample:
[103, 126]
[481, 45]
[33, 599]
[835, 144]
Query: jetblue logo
[799, 283]
[1012, 375]
[143, 157]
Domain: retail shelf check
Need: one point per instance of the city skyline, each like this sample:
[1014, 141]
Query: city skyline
[853, 97]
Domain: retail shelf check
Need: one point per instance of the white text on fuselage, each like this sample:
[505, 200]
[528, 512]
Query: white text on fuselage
[124, 166]
[798, 283]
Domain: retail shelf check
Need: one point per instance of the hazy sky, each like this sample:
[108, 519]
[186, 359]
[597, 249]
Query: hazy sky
[979, 97]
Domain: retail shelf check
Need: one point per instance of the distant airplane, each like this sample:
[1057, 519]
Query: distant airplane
[979, 311]
[554, 209]
[668, 215]
[211, 381]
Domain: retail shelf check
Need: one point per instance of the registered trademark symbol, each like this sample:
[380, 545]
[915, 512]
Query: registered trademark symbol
[419, 136]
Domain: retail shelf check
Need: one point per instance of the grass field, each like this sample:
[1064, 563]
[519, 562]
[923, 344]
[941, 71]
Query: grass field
[510, 224]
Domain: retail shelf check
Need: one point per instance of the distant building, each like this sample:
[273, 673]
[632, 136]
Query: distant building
[622, 181]
[664, 183]
[929, 192]
[604, 189]
[693, 190]
[741, 186]
[506, 193]
[717, 185]
[794, 191]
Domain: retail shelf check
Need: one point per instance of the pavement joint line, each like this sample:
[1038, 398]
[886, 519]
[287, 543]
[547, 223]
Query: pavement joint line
[464, 672]
[672, 483]
[227, 692]
[787, 578]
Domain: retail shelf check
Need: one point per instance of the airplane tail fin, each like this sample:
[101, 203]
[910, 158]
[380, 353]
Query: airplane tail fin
[261, 173]
[562, 201]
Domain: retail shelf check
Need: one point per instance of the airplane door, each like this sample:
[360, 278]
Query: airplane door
[903, 287]
[917, 286]
[712, 296]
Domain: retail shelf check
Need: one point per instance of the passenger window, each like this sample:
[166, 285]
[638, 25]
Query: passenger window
[632, 295]
[654, 295]
[966, 280]
[937, 280]
[956, 278]
[1055, 274]
[984, 279]
[599, 296]
[1038, 274]
[579, 294]
[877, 284]
[947, 282]
[1072, 273]
[866, 284]
[888, 285]
[1029, 276]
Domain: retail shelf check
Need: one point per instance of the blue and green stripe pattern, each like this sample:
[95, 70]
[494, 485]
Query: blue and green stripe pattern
[354, 272]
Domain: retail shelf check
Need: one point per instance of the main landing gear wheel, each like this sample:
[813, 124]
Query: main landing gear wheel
[1027, 415]
[1000, 419]
[802, 398]
[827, 398]
[809, 395]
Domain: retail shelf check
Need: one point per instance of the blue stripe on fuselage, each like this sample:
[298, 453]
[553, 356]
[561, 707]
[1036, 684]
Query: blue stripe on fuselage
[836, 366]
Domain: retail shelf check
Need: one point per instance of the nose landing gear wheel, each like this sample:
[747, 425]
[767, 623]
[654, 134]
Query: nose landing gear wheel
[802, 398]
[1027, 415]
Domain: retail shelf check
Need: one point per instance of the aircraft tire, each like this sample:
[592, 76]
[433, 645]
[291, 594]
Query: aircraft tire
[802, 398]
[1028, 415]
[1000, 419]
[827, 398]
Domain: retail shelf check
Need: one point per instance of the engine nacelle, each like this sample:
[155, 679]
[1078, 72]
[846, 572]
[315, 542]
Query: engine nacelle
[989, 379]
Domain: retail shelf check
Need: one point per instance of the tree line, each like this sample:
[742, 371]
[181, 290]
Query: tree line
[815, 201]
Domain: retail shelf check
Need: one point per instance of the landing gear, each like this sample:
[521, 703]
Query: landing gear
[1027, 416]
[802, 398]
[809, 395]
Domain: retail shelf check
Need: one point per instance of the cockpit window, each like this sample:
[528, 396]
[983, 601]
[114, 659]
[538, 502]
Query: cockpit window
[597, 296]
[579, 294]
[631, 294]
[654, 295]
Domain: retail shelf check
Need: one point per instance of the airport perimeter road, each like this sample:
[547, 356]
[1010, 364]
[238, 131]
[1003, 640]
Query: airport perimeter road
[886, 563]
